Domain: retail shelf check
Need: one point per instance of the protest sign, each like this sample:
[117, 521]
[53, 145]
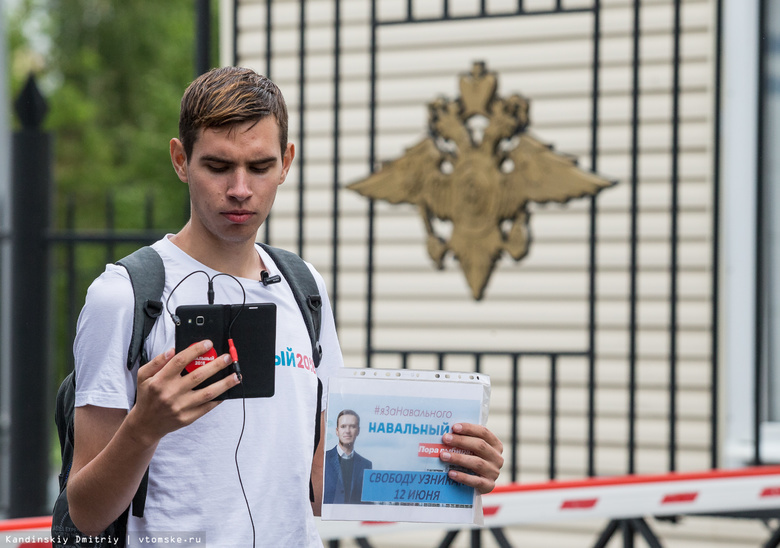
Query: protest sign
[383, 440]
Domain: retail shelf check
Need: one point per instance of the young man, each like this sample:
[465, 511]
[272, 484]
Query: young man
[343, 466]
[233, 153]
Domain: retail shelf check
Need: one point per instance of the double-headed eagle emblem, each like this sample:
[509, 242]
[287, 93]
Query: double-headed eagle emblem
[479, 168]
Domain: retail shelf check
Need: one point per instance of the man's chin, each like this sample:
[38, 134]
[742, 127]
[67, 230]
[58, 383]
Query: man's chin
[238, 234]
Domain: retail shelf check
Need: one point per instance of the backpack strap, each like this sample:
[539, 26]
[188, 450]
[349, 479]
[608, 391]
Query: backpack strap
[64, 413]
[307, 295]
[306, 292]
[147, 276]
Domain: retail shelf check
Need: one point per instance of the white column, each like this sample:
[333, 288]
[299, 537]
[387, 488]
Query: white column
[738, 228]
[226, 32]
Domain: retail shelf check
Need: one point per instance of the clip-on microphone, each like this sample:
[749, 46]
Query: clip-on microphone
[267, 279]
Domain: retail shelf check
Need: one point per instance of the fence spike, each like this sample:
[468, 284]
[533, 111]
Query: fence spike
[30, 105]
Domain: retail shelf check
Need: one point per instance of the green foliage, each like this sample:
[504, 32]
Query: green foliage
[123, 67]
[113, 73]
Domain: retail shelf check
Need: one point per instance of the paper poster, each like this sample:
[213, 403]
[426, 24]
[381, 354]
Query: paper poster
[382, 441]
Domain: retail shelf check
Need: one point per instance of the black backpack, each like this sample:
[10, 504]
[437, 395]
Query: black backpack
[147, 276]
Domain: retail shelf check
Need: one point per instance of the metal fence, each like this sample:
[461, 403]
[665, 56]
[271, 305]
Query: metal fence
[483, 10]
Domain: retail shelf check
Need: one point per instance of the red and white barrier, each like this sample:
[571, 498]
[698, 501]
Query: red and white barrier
[26, 533]
[715, 491]
[615, 497]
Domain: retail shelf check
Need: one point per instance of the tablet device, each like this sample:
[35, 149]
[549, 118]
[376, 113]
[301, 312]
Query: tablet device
[253, 329]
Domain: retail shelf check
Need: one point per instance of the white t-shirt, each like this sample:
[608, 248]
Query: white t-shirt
[194, 490]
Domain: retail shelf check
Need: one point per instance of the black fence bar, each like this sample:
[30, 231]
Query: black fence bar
[674, 233]
[632, 322]
[30, 410]
[476, 538]
[473, 353]
[514, 437]
[269, 27]
[501, 539]
[202, 36]
[71, 297]
[448, 539]
[483, 14]
[235, 32]
[334, 290]
[268, 71]
[73, 236]
[594, 156]
[553, 414]
[715, 329]
[301, 153]
[371, 162]
[760, 276]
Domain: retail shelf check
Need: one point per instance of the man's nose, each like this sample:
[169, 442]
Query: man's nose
[240, 187]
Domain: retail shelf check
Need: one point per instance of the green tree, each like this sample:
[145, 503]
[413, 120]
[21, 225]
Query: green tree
[113, 73]
[122, 68]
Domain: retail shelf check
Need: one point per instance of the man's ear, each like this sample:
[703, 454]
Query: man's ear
[287, 160]
[179, 160]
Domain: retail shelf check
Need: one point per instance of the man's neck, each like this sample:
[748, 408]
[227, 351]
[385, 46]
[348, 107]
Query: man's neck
[346, 449]
[236, 258]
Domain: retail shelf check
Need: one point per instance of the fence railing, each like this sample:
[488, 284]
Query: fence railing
[80, 255]
[512, 441]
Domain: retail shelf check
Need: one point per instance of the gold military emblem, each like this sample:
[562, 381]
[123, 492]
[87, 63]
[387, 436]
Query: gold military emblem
[479, 168]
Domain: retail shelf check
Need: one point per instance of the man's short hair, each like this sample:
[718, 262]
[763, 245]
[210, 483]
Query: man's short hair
[227, 96]
[347, 412]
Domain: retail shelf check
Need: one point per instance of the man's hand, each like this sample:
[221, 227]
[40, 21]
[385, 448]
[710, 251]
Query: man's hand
[485, 459]
[166, 400]
[113, 448]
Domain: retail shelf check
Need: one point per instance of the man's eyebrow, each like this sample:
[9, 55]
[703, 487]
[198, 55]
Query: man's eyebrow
[221, 160]
[265, 160]
[214, 158]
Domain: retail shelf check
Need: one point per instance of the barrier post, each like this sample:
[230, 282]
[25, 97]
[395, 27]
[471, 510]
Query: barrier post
[30, 380]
